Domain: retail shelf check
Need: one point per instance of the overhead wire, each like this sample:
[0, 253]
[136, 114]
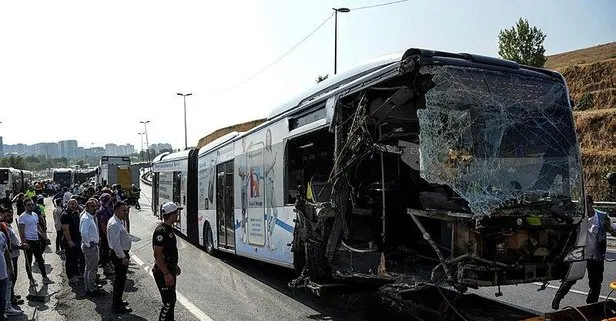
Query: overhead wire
[378, 5]
[262, 70]
[266, 67]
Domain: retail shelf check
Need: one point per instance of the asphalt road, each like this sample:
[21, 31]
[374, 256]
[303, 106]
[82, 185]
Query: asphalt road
[64, 301]
[226, 287]
[528, 296]
[235, 273]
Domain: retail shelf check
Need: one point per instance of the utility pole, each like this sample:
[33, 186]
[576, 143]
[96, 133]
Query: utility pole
[185, 128]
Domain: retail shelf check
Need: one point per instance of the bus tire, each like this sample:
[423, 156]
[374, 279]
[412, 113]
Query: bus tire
[318, 268]
[299, 261]
[208, 239]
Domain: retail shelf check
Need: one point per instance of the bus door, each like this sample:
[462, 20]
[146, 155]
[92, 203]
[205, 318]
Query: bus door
[225, 205]
[177, 198]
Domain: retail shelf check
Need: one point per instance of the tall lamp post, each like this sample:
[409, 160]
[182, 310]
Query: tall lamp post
[185, 130]
[1, 142]
[147, 145]
[142, 155]
[336, 10]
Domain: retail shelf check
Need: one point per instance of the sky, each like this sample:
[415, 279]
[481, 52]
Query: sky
[92, 70]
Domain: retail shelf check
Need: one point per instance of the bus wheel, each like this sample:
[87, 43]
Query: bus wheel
[208, 239]
[298, 248]
[318, 268]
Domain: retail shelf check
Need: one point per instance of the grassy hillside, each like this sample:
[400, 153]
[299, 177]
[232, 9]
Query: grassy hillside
[591, 77]
[582, 56]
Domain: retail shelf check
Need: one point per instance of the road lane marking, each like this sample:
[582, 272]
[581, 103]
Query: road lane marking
[180, 298]
[573, 291]
[138, 260]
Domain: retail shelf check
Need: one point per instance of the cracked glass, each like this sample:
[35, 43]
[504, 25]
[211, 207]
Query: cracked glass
[498, 138]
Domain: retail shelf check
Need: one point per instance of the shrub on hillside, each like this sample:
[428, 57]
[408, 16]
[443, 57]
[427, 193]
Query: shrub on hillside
[586, 102]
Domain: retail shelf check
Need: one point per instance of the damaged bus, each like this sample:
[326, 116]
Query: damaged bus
[419, 168]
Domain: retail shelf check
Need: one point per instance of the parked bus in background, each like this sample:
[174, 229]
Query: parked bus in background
[64, 176]
[14, 180]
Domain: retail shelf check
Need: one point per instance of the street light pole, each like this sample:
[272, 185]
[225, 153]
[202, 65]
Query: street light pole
[147, 145]
[1, 142]
[336, 10]
[185, 128]
[143, 154]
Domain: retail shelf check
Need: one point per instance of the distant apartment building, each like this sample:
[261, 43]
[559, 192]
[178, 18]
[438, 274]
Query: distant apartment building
[50, 150]
[68, 148]
[127, 149]
[159, 147]
[18, 149]
[1, 147]
[119, 150]
[111, 150]
[94, 152]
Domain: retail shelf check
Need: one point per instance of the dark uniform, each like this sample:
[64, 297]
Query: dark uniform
[164, 236]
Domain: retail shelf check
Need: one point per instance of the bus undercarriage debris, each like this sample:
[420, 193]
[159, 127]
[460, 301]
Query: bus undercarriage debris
[446, 174]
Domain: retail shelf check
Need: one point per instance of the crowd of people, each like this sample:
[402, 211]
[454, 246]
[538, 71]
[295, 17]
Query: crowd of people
[91, 232]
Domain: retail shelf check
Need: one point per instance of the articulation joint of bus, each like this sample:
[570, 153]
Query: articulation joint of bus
[451, 170]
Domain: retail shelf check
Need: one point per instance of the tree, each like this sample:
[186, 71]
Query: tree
[17, 162]
[61, 161]
[522, 44]
[321, 78]
[81, 163]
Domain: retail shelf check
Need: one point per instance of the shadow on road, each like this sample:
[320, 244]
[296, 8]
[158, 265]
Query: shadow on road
[130, 286]
[103, 303]
[333, 306]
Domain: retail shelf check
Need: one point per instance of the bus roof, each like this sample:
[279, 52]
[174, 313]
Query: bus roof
[173, 156]
[217, 142]
[331, 83]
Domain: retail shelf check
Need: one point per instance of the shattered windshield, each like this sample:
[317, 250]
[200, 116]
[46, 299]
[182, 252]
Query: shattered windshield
[498, 138]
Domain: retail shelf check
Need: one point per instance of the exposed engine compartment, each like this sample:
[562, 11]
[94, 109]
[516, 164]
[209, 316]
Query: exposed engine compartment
[443, 174]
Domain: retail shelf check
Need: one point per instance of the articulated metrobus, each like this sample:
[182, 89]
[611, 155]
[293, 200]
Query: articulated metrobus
[462, 164]
[14, 180]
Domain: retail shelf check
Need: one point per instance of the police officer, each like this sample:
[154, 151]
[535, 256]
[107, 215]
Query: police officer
[599, 225]
[166, 268]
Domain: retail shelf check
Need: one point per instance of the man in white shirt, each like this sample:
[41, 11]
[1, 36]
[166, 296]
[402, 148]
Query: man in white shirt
[119, 243]
[29, 231]
[89, 247]
[599, 224]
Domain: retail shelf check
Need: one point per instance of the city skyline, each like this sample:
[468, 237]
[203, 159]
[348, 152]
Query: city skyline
[71, 149]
